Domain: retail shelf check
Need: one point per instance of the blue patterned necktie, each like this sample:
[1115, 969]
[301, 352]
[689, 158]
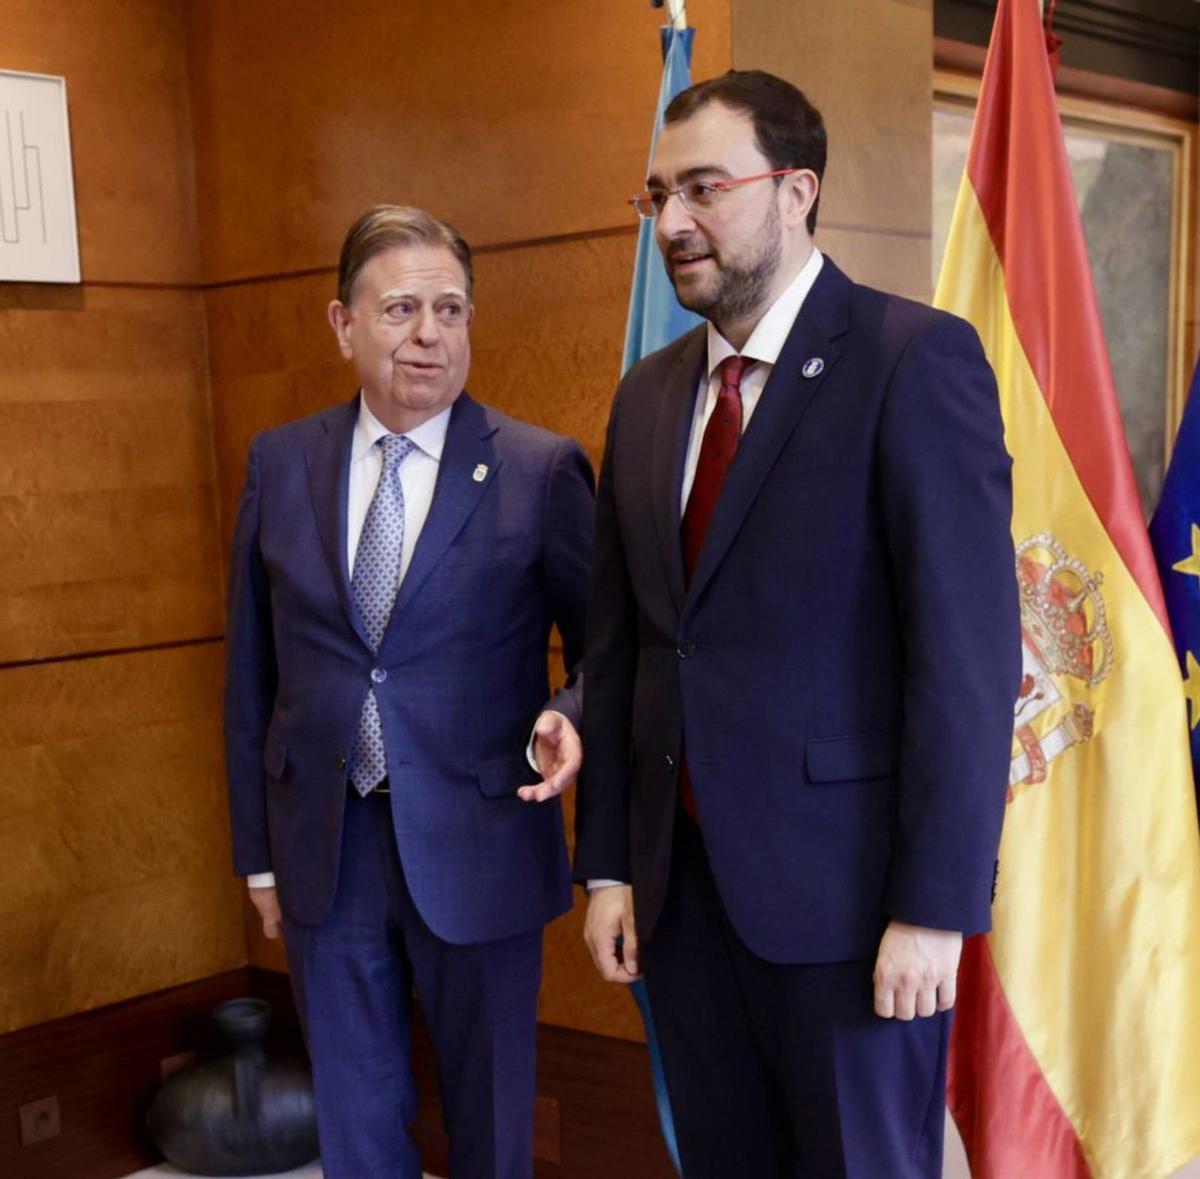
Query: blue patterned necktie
[375, 581]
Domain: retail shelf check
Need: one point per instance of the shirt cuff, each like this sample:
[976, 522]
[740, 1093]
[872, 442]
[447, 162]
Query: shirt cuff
[260, 880]
[592, 885]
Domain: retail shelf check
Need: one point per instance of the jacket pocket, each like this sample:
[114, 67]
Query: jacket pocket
[850, 759]
[274, 757]
[499, 777]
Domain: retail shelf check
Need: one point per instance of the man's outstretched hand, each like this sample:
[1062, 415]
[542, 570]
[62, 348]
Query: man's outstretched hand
[558, 752]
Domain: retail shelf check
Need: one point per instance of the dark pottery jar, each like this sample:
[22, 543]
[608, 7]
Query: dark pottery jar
[241, 1114]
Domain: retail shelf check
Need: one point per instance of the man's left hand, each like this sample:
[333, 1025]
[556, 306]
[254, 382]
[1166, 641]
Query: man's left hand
[558, 752]
[916, 972]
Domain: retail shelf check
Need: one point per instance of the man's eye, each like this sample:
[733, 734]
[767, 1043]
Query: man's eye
[701, 195]
[657, 198]
[398, 310]
[451, 310]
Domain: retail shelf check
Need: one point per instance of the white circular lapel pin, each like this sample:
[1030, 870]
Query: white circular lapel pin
[813, 367]
[480, 473]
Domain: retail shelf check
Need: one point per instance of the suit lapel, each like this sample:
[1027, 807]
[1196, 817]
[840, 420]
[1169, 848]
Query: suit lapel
[788, 393]
[672, 426]
[468, 468]
[328, 460]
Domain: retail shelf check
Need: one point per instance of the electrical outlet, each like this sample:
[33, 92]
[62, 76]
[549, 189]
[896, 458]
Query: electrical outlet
[39, 1120]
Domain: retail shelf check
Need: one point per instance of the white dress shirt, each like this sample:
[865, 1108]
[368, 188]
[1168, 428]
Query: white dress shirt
[418, 476]
[763, 347]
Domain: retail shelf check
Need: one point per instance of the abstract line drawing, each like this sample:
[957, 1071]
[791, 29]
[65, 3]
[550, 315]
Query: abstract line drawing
[39, 239]
[22, 182]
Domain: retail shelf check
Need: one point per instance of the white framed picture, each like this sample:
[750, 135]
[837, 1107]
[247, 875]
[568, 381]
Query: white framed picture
[39, 240]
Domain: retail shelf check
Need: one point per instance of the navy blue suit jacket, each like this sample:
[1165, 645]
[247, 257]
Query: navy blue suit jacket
[843, 664]
[501, 557]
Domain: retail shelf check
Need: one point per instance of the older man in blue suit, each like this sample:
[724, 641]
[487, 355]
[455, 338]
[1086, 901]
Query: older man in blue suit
[398, 563]
[803, 653]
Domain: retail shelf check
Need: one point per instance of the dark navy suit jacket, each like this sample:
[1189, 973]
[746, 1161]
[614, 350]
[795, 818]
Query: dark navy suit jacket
[842, 666]
[503, 554]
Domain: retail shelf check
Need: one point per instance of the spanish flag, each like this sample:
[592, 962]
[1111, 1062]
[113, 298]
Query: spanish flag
[1076, 1048]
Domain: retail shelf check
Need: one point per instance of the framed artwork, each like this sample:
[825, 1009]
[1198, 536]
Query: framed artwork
[1133, 174]
[39, 240]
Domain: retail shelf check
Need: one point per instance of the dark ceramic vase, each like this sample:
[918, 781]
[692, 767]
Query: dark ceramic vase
[241, 1114]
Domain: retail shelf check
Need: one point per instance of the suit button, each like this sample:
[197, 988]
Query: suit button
[340, 762]
[686, 649]
[670, 762]
[378, 675]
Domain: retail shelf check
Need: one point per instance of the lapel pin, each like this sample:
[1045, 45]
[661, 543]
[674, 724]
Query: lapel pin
[813, 367]
[480, 473]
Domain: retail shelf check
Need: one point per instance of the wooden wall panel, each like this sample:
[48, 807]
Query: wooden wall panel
[113, 832]
[868, 67]
[114, 855]
[126, 70]
[107, 512]
[490, 116]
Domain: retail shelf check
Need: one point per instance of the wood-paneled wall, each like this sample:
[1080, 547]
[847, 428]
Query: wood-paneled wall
[867, 64]
[113, 836]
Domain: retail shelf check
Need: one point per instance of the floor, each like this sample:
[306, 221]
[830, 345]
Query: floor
[955, 1168]
[312, 1171]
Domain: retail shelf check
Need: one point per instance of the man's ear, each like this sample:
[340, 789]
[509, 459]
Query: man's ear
[339, 320]
[801, 190]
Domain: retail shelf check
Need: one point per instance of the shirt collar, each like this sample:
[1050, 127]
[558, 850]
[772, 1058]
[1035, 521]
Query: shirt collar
[770, 333]
[429, 436]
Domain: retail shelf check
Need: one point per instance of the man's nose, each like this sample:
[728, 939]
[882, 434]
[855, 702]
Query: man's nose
[674, 218]
[427, 329]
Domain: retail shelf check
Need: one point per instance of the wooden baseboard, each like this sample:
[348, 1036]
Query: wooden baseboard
[595, 1114]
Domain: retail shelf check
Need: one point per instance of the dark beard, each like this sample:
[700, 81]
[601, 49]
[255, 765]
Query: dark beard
[739, 291]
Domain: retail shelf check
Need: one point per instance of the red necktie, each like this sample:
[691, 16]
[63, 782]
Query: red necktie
[719, 445]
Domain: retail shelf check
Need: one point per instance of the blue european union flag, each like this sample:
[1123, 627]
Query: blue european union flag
[1175, 534]
[655, 315]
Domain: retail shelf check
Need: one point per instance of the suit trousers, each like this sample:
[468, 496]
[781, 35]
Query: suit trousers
[353, 976]
[784, 1070]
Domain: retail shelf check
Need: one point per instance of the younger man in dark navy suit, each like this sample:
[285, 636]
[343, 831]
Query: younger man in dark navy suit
[802, 658]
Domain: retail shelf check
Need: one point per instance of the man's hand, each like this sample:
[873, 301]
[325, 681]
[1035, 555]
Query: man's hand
[266, 901]
[609, 918]
[916, 972]
[558, 752]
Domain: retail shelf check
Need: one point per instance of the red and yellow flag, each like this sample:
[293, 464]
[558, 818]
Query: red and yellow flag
[1076, 1049]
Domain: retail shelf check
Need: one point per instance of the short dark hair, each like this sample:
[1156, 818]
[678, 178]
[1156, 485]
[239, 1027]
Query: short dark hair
[384, 226]
[789, 129]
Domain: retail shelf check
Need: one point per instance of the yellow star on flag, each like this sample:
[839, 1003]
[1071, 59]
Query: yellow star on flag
[1191, 687]
[1191, 564]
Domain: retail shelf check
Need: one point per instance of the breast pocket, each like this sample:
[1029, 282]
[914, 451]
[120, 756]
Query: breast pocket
[499, 552]
[852, 758]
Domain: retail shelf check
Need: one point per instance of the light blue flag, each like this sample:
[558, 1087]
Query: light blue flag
[655, 316]
[655, 319]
